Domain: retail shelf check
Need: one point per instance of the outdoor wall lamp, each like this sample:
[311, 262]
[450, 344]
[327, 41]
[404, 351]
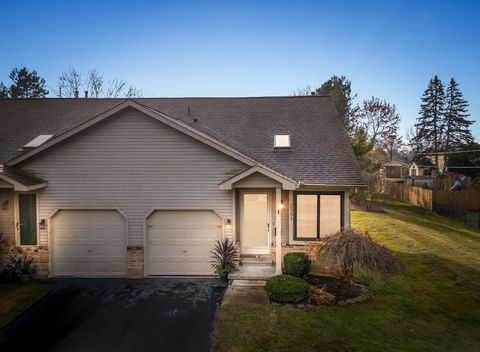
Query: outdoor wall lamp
[42, 224]
[280, 206]
[228, 225]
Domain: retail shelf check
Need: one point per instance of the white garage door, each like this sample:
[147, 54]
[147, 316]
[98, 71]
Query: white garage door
[180, 241]
[89, 243]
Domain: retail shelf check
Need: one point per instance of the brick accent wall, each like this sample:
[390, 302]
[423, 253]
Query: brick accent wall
[135, 268]
[40, 259]
[287, 249]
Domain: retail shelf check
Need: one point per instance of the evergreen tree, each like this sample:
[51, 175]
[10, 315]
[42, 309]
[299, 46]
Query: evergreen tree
[3, 91]
[457, 125]
[340, 89]
[430, 125]
[27, 84]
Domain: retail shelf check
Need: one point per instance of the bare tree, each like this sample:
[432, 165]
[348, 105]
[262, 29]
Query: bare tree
[69, 83]
[133, 92]
[94, 84]
[379, 118]
[115, 88]
[303, 91]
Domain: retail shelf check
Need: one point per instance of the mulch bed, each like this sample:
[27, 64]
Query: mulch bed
[335, 287]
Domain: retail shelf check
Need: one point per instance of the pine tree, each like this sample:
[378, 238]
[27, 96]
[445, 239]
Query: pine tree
[430, 125]
[457, 131]
[27, 84]
[3, 91]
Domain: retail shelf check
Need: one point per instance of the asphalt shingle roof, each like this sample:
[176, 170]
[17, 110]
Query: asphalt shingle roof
[320, 152]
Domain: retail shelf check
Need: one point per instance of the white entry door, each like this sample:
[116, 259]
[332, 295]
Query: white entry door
[180, 241]
[255, 226]
[89, 243]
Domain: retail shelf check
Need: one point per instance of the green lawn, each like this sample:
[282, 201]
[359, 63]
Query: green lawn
[17, 297]
[433, 306]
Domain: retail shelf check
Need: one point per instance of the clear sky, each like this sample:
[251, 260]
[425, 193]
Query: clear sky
[389, 49]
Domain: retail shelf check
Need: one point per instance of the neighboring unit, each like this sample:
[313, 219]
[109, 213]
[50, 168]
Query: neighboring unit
[112, 187]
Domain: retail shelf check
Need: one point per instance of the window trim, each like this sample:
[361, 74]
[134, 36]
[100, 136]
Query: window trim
[318, 194]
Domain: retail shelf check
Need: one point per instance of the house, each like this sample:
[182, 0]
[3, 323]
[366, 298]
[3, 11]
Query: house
[395, 171]
[133, 188]
[421, 172]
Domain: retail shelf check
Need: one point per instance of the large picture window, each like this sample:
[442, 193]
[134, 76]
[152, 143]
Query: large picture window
[317, 214]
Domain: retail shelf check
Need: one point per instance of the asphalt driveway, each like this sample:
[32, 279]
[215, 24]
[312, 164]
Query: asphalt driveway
[119, 315]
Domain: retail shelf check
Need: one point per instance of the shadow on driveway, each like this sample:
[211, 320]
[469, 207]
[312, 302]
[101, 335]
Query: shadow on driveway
[119, 315]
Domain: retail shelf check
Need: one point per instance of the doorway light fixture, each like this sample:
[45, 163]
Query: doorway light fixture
[228, 224]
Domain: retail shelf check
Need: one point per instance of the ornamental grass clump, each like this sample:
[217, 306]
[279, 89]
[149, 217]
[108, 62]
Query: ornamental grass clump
[349, 248]
[224, 258]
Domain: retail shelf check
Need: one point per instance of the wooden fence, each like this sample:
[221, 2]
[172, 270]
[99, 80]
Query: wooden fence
[465, 200]
[411, 194]
[462, 206]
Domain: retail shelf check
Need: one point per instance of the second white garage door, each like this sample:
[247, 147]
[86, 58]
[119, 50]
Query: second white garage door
[180, 241]
[89, 243]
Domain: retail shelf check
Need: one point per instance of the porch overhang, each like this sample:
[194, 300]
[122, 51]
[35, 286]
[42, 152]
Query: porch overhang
[21, 180]
[287, 183]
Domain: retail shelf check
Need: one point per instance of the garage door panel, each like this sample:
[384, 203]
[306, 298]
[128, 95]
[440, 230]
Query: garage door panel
[89, 243]
[180, 241]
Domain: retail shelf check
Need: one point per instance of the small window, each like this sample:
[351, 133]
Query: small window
[317, 215]
[281, 141]
[414, 171]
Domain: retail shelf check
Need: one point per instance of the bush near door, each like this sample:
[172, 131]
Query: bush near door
[297, 264]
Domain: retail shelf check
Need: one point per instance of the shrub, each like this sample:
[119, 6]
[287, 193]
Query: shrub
[287, 289]
[297, 264]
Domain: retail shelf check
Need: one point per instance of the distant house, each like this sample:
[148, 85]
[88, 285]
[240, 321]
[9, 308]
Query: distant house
[421, 173]
[395, 171]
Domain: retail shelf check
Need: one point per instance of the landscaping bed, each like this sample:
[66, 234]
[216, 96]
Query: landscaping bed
[335, 287]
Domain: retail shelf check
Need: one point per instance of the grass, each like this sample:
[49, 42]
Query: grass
[433, 306]
[17, 297]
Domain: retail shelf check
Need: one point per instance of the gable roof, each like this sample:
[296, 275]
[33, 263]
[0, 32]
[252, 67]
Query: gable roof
[320, 152]
[20, 179]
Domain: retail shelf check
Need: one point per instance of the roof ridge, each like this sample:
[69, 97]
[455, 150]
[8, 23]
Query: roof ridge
[171, 98]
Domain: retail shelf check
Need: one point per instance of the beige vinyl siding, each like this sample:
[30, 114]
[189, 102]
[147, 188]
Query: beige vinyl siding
[7, 217]
[256, 180]
[134, 163]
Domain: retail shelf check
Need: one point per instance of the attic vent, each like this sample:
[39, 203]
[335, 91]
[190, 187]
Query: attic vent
[38, 141]
[281, 141]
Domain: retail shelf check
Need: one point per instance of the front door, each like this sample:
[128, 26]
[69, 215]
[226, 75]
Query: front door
[27, 219]
[255, 225]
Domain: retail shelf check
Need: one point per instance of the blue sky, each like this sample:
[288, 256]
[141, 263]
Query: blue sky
[389, 49]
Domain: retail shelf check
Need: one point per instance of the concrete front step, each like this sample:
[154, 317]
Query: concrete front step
[257, 260]
[238, 283]
[253, 272]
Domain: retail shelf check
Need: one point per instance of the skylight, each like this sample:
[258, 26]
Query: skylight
[38, 141]
[281, 141]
